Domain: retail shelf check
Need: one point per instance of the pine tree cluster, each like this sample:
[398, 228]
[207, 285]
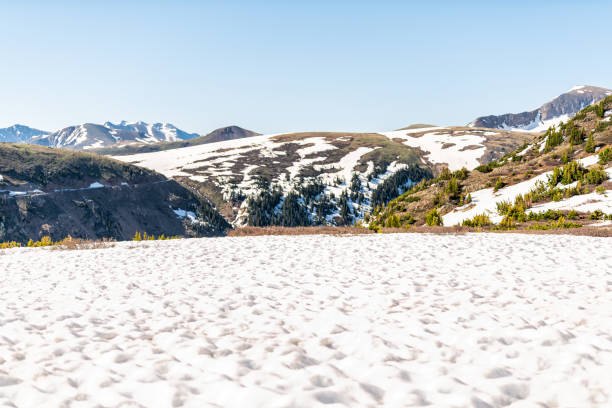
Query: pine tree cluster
[396, 183]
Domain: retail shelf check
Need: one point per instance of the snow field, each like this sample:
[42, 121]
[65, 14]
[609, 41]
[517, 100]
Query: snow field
[479, 320]
[433, 143]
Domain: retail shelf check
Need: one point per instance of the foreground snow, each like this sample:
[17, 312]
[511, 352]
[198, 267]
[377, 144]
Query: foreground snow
[383, 320]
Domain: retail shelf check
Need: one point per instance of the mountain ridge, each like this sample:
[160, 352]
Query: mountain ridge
[560, 109]
[19, 133]
[226, 133]
[91, 135]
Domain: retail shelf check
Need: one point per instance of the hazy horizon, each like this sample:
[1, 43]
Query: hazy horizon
[276, 67]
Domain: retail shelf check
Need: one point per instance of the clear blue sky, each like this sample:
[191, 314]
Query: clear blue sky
[275, 66]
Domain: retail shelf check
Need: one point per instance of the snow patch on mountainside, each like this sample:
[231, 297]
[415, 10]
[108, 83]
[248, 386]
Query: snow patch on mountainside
[583, 203]
[538, 125]
[485, 201]
[172, 163]
[457, 151]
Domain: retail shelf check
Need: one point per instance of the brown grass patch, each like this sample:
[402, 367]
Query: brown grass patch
[470, 147]
[322, 230]
[74, 244]
[457, 230]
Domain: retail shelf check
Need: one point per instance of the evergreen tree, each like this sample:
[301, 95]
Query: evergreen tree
[394, 185]
[453, 189]
[590, 144]
[345, 211]
[553, 139]
[599, 109]
[576, 135]
[293, 213]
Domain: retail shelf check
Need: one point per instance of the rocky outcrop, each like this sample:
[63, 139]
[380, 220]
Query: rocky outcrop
[560, 109]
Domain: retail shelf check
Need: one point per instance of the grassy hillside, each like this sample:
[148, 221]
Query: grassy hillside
[559, 151]
[58, 192]
[45, 167]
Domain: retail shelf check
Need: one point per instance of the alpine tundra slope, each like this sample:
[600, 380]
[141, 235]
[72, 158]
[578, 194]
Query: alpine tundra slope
[329, 178]
[562, 174]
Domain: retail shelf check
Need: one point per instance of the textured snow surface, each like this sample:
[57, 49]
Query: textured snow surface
[476, 321]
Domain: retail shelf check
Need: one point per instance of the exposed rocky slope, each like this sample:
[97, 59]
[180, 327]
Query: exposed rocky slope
[560, 109]
[322, 178]
[58, 192]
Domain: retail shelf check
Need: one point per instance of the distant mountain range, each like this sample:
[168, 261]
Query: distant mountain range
[218, 135]
[90, 135]
[135, 135]
[560, 109]
[20, 134]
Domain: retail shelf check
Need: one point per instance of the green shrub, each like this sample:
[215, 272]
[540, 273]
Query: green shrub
[559, 224]
[452, 189]
[487, 168]
[461, 174]
[600, 190]
[596, 176]
[576, 135]
[564, 157]
[445, 174]
[603, 125]
[570, 172]
[433, 218]
[506, 223]
[503, 207]
[44, 242]
[407, 219]
[590, 144]
[599, 109]
[393, 221]
[553, 138]
[596, 215]
[439, 198]
[480, 220]
[10, 244]
[572, 215]
[498, 184]
[375, 228]
[546, 215]
[605, 155]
